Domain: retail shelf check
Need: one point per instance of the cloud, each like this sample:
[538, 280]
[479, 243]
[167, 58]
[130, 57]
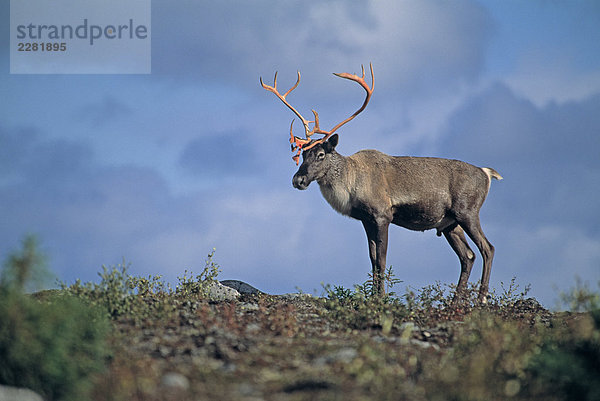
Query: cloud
[543, 217]
[104, 111]
[86, 213]
[547, 155]
[27, 158]
[276, 238]
[558, 64]
[412, 44]
[161, 168]
[223, 154]
[549, 257]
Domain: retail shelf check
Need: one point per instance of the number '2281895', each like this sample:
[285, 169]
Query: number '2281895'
[42, 47]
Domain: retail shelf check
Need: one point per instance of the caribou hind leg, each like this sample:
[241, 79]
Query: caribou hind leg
[456, 238]
[473, 229]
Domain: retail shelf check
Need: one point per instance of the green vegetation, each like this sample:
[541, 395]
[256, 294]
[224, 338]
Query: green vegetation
[121, 295]
[52, 347]
[127, 338]
[567, 360]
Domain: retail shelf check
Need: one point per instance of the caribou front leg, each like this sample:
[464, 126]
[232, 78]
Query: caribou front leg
[377, 235]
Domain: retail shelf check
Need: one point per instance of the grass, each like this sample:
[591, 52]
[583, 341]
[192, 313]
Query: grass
[344, 345]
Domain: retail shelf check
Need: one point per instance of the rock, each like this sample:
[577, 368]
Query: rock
[424, 344]
[175, 380]
[530, 305]
[249, 307]
[220, 292]
[410, 326]
[295, 295]
[18, 394]
[344, 355]
[241, 287]
[253, 328]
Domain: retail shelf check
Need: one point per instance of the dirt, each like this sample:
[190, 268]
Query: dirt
[263, 347]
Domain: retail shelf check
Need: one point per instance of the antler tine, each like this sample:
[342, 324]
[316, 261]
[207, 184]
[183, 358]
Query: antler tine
[281, 97]
[316, 128]
[361, 81]
[293, 87]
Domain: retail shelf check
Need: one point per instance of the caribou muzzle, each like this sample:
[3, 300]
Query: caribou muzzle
[300, 182]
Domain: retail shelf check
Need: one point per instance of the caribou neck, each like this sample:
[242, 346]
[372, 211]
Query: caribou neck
[335, 184]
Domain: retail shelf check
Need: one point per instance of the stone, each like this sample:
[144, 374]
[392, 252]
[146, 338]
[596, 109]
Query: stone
[424, 344]
[241, 287]
[18, 394]
[175, 380]
[410, 326]
[295, 295]
[220, 292]
[249, 307]
[344, 355]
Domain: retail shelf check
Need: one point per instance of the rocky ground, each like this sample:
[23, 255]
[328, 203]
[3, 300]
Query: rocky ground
[139, 339]
[292, 347]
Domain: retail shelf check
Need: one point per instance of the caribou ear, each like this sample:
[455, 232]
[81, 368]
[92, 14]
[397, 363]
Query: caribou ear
[333, 141]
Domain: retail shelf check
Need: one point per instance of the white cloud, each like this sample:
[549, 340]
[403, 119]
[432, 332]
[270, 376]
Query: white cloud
[546, 51]
[543, 85]
[549, 257]
[543, 213]
[413, 44]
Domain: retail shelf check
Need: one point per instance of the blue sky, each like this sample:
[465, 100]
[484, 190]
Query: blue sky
[158, 169]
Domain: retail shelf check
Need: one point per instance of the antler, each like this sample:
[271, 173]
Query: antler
[299, 144]
[282, 98]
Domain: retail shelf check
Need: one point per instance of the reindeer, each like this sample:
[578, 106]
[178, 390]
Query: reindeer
[417, 193]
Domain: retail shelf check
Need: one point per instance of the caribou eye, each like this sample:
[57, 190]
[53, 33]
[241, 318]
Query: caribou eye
[320, 155]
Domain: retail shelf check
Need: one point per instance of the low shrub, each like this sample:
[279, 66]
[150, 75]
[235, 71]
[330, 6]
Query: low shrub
[488, 360]
[121, 295]
[567, 363]
[361, 309]
[198, 286]
[54, 346]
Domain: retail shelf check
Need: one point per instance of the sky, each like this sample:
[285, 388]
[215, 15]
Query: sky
[158, 169]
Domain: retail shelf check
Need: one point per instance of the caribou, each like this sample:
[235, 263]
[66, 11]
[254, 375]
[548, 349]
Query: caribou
[417, 193]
